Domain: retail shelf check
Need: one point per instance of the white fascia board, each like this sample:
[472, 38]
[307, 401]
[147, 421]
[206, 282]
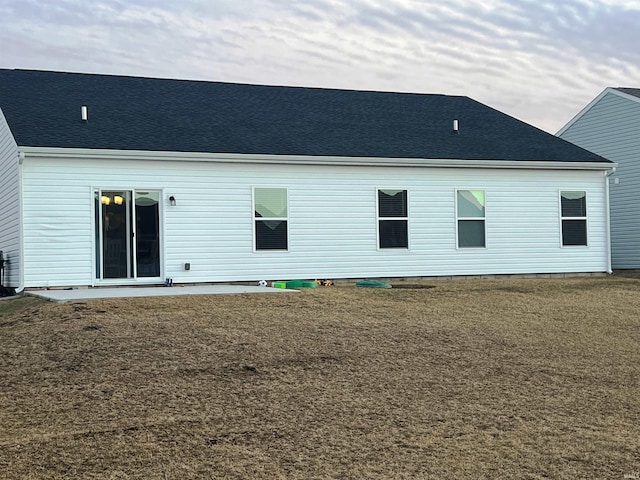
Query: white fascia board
[583, 111]
[592, 103]
[105, 154]
[625, 95]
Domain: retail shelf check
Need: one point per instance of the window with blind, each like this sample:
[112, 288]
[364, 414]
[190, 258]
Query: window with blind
[393, 219]
[470, 210]
[573, 208]
[270, 214]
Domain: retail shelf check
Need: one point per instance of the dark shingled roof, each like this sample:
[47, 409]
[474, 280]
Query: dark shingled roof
[631, 91]
[132, 113]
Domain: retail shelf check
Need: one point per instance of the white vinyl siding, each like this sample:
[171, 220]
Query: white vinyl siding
[10, 206]
[611, 128]
[331, 220]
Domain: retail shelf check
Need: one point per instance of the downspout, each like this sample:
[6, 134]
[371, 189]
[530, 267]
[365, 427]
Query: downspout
[21, 157]
[608, 217]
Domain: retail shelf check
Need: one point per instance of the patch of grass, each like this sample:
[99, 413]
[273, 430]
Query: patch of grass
[534, 378]
[18, 305]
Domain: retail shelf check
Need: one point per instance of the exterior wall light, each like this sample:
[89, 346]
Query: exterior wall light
[172, 201]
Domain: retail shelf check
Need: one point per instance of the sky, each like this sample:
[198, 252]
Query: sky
[540, 61]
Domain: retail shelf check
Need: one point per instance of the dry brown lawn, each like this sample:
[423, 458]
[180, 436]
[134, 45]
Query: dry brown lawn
[526, 378]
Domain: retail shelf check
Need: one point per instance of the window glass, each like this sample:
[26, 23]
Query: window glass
[392, 203]
[574, 232]
[574, 204]
[471, 233]
[271, 235]
[470, 203]
[393, 234]
[573, 207]
[270, 202]
[393, 228]
[471, 218]
[270, 213]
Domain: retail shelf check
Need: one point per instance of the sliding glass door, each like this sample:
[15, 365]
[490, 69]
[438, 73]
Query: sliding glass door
[127, 235]
[147, 244]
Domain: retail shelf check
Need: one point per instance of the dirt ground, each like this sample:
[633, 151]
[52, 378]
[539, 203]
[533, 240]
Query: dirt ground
[514, 378]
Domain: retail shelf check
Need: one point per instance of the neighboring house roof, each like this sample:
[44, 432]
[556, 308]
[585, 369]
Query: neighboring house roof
[132, 113]
[630, 91]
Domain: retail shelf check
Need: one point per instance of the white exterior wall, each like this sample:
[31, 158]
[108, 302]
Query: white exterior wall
[10, 205]
[332, 220]
[611, 128]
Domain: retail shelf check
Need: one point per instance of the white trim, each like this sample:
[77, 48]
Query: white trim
[582, 112]
[21, 241]
[625, 95]
[379, 218]
[281, 219]
[132, 273]
[145, 155]
[458, 218]
[607, 225]
[585, 218]
[590, 105]
[92, 220]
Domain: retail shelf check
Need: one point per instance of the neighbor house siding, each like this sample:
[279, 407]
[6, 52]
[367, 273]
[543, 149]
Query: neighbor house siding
[10, 205]
[331, 220]
[611, 128]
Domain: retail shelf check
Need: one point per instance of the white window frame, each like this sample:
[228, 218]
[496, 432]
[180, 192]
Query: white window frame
[97, 246]
[254, 219]
[379, 218]
[562, 218]
[459, 218]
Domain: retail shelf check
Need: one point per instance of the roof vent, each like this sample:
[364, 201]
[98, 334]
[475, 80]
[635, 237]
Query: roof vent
[456, 126]
[85, 113]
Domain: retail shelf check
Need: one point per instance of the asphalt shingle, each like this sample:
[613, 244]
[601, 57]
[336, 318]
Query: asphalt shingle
[134, 113]
[631, 91]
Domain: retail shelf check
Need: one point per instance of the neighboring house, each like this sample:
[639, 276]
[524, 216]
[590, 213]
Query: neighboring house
[120, 180]
[610, 126]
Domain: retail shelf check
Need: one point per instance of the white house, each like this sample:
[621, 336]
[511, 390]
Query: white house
[121, 180]
[610, 126]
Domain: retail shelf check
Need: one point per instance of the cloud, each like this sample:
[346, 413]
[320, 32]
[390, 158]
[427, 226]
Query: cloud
[540, 61]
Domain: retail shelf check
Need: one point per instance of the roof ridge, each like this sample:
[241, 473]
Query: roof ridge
[222, 82]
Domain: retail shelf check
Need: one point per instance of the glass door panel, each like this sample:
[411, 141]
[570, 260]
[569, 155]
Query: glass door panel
[116, 234]
[147, 234]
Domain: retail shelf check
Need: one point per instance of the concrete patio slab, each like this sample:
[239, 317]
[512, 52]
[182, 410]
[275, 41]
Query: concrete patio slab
[127, 292]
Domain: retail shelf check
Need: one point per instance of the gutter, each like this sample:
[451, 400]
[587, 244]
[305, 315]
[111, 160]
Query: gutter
[145, 155]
